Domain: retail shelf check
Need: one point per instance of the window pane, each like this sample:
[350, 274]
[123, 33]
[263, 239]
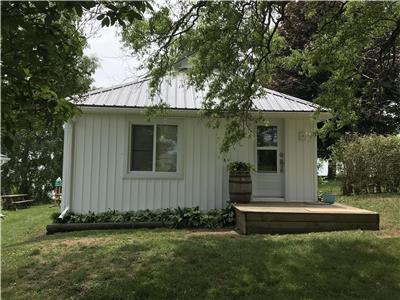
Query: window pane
[266, 161]
[267, 136]
[166, 149]
[142, 148]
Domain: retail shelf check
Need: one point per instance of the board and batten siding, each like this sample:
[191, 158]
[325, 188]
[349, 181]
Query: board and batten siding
[100, 179]
[96, 149]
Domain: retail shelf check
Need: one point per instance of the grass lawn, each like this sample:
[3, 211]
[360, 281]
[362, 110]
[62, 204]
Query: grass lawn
[185, 264]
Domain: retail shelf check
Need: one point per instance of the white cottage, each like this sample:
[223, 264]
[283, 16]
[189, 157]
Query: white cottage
[115, 159]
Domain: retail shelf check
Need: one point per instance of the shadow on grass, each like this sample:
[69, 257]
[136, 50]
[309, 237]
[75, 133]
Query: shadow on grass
[210, 267]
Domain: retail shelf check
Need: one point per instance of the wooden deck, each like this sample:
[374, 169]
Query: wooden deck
[297, 217]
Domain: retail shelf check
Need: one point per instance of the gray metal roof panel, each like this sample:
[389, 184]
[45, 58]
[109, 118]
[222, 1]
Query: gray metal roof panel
[175, 93]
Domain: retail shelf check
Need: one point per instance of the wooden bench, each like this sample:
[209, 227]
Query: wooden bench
[12, 201]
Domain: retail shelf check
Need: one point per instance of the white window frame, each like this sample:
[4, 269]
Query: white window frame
[154, 174]
[277, 147]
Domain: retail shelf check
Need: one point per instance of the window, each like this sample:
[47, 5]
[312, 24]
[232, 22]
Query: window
[267, 148]
[142, 148]
[154, 148]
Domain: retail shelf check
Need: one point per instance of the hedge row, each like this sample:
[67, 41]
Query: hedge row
[176, 218]
[369, 164]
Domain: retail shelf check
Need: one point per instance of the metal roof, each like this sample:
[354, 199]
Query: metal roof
[179, 95]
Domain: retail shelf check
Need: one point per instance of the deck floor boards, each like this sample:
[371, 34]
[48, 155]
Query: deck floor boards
[294, 217]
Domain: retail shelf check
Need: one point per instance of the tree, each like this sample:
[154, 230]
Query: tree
[233, 51]
[236, 48]
[42, 63]
[36, 161]
[374, 114]
[359, 49]
[42, 58]
[298, 29]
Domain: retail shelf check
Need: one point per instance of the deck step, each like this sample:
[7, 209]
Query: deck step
[302, 217]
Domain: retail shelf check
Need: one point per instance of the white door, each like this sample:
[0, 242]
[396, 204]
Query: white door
[268, 177]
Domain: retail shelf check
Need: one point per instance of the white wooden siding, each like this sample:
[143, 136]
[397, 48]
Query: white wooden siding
[99, 147]
[101, 152]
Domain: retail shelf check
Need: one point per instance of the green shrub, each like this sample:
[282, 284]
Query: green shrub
[176, 218]
[369, 164]
[239, 166]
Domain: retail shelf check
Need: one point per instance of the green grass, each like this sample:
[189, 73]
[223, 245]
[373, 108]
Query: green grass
[329, 186]
[184, 264]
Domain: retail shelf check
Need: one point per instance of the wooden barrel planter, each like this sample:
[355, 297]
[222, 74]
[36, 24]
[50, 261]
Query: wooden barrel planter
[240, 187]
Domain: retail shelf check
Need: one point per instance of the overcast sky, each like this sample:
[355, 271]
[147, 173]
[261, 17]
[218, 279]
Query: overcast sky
[116, 65]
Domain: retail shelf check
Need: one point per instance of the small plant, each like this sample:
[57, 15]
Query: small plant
[239, 166]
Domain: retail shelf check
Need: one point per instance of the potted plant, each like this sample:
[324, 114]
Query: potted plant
[240, 186]
[329, 198]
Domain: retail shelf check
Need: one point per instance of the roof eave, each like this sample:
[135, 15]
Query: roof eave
[321, 115]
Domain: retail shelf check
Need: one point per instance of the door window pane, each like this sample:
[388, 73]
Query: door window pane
[267, 161]
[142, 148]
[166, 148]
[267, 136]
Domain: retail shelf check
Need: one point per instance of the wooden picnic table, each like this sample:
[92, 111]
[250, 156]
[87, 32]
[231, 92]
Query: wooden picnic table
[11, 201]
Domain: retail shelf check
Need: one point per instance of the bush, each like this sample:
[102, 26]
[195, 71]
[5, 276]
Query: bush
[176, 218]
[369, 164]
[239, 166]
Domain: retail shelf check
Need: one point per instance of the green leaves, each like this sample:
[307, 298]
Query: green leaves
[231, 51]
[78, 10]
[326, 50]
[42, 61]
[122, 12]
[42, 64]
[370, 164]
[363, 79]
[105, 22]
[35, 161]
[187, 217]
[239, 166]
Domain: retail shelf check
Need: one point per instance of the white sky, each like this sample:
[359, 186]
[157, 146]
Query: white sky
[116, 65]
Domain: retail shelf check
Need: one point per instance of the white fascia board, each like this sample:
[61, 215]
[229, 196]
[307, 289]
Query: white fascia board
[320, 116]
[134, 110]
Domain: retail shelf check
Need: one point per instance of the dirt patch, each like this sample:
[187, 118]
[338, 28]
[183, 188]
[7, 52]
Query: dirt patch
[80, 241]
[219, 231]
[388, 234]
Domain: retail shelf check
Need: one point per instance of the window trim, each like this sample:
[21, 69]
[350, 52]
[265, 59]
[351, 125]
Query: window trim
[128, 174]
[277, 148]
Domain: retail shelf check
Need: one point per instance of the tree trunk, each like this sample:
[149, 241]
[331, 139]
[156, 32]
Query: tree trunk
[331, 169]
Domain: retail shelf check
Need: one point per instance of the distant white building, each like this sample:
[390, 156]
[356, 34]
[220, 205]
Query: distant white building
[323, 167]
[114, 158]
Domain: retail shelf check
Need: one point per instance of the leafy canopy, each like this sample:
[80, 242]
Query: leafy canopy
[376, 109]
[359, 48]
[42, 59]
[42, 63]
[237, 48]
